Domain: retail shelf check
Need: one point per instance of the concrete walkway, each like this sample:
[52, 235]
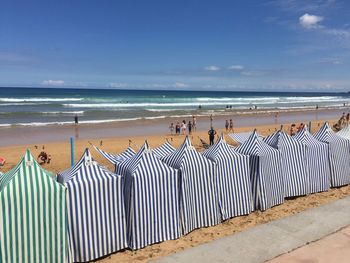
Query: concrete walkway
[267, 241]
[333, 248]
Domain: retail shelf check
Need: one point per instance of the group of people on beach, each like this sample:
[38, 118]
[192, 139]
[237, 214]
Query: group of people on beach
[183, 127]
[342, 122]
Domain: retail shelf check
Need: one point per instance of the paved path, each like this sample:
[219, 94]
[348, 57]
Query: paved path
[333, 248]
[267, 241]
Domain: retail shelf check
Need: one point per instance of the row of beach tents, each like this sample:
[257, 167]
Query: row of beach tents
[88, 212]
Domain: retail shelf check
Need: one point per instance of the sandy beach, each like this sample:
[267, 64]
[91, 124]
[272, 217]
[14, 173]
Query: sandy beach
[60, 152]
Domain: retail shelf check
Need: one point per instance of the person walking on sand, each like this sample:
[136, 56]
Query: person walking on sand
[177, 128]
[211, 134]
[194, 123]
[189, 125]
[171, 128]
[226, 125]
[183, 127]
[231, 125]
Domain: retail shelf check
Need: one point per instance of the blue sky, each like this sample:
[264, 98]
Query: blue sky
[285, 45]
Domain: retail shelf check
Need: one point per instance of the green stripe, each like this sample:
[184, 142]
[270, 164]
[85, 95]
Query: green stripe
[30, 240]
[15, 217]
[20, 219]
[62, 228]
[56, 230]
[33, 241]
[4, 228]
[38, 216]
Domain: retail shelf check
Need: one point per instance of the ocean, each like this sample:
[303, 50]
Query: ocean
[48, 106]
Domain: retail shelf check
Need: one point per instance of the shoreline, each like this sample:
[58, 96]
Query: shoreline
[19, 135]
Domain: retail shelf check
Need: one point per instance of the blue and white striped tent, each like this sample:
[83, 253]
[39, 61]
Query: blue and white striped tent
[339, 155]
[199, 205]
[294, 165]
[265, 172]
[164, 150]
[151, 199]
[233, 179]
[241, 137]
[96, 214]
[117, 158]
[345, 132]
[317, 161]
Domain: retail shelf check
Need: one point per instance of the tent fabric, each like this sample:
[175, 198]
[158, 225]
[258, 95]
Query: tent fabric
[294, 166]
[199, 205]
[164, 150]
[317, 161]
[339, 155]
[151, 199]
[345, 132]
[265, 172]
[242, 136]
[117, 158]
[96, 214]
[233, 179]
[32, 215]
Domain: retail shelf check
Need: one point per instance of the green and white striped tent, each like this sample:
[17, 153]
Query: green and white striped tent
[32, 215]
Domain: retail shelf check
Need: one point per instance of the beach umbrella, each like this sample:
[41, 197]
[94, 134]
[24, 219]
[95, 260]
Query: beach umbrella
[241, 137]
[151, 199]
[233, 179]
[199, 199]
[164, 150]
[294, 165]
[339, 155]
[32, 215]
[317, 161]
[116, 158]
[265, 172]
[96, 214]
[345, 132]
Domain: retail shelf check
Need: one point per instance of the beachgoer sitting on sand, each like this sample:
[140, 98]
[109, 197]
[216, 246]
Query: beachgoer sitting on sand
[43, 157]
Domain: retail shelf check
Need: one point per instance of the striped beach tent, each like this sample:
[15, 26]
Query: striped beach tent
[317, 161]
[96, 214]
[294, 166]
[151, 199]
[32, 215]
[199, 205]
[116, 158]
[233, 179]
[339, 155]
[265, 172]
[241, 137]
[164, 150]
[345, 132]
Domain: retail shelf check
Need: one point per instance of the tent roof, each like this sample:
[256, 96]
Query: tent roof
[116, 158]
[326, 134]
[242, 136]
[164, 150]
[306, 137]
[28, 161]
[88, 165]
[255, 146]
[345, 132]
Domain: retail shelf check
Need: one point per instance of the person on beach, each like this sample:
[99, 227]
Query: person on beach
[226, 125]
[347, 118]
[76, 121]
[183, 127]
[177, 128]
[301, 126]
[194, 123]
[211, 134]
[43, 157]
[189, 125]
[171, 128]
[292, 129]
[231, 125]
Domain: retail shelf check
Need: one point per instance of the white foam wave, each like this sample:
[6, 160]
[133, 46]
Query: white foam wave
[63, 112]
[39, 99]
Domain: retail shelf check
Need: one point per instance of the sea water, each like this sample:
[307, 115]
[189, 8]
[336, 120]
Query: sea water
[47, 106]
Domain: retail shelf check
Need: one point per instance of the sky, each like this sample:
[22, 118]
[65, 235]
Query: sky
[274, 45]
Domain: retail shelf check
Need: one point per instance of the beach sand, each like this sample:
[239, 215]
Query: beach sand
[60, 152]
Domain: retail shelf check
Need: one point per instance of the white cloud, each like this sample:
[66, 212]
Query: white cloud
[310, 21]
[51, 82]
[236, 67]
[180, 85]
[212, 68]
[117, 85]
